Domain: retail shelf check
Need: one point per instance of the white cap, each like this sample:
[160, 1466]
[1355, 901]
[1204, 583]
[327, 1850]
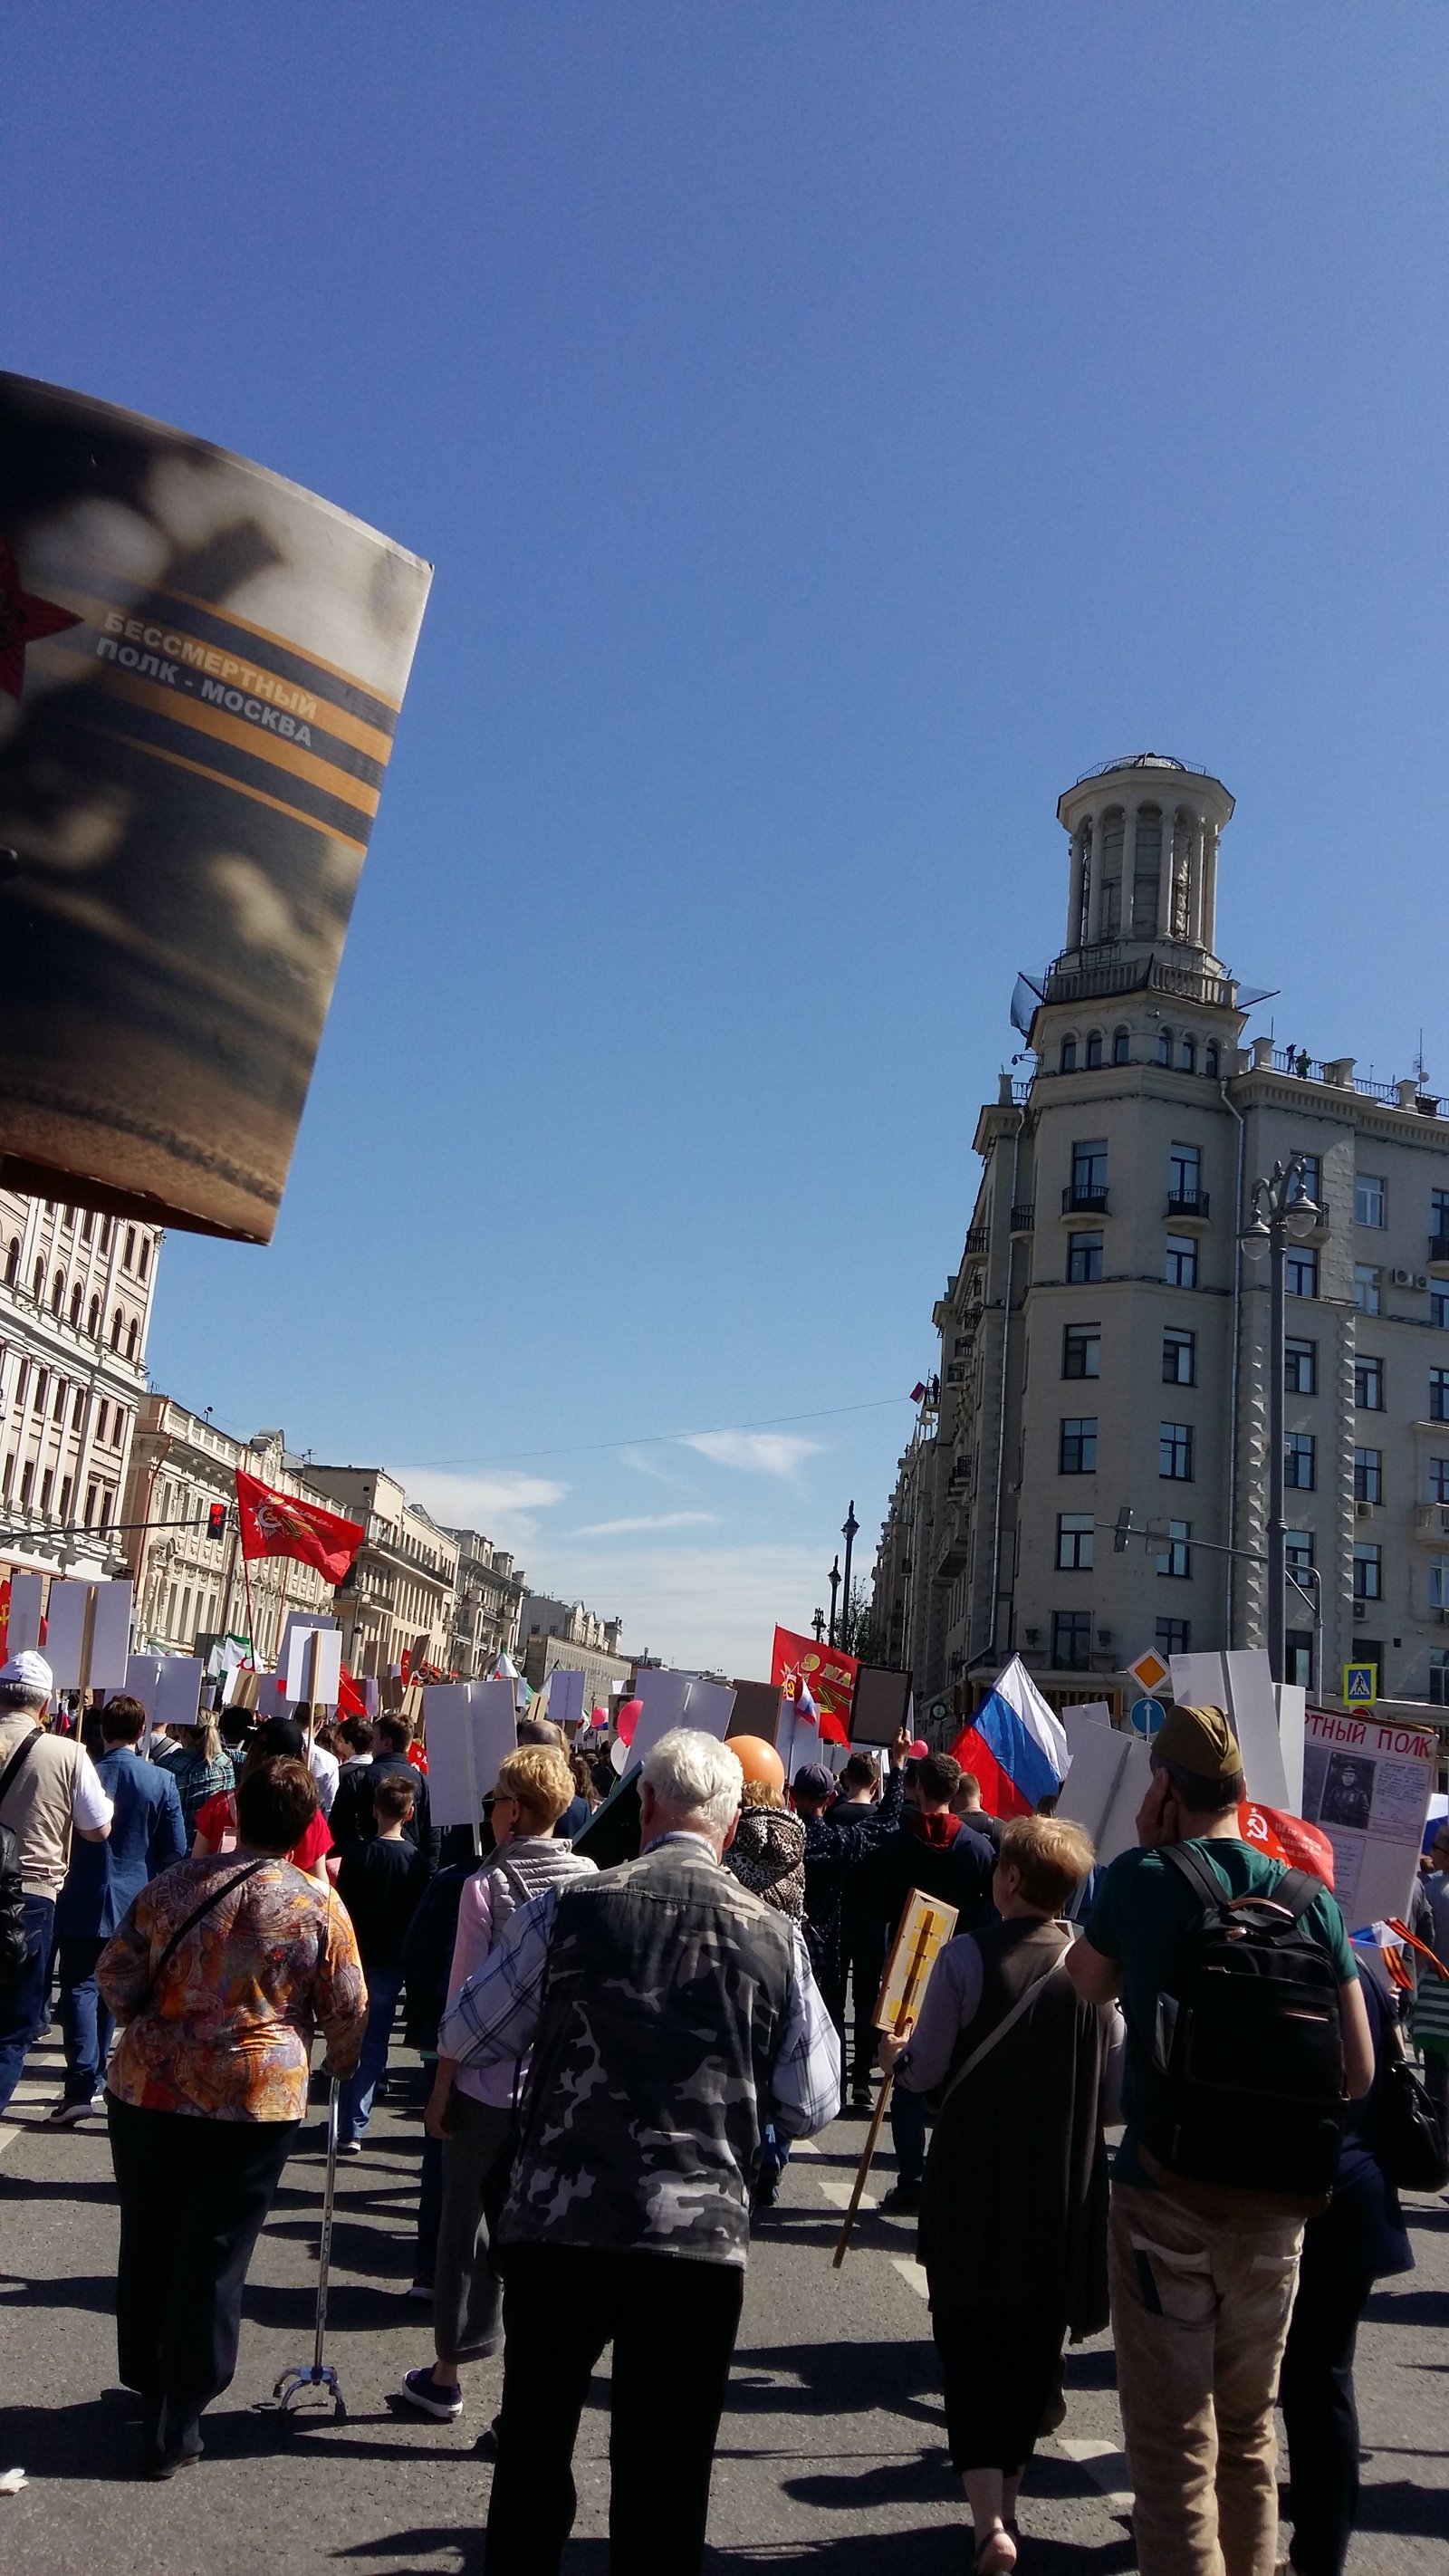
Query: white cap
[31, 1669]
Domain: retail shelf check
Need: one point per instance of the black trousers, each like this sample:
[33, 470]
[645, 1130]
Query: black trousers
[1320, 2416]
[672, 2323]
[999, 2367]
[194, 2194]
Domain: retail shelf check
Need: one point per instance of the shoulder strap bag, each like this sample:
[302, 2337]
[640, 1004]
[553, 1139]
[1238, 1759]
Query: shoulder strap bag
[213, 1897]
[17, 1762]
[1007, 2022]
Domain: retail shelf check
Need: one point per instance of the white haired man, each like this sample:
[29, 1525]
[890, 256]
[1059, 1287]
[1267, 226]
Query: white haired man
[670, 2014]
[49, 1789]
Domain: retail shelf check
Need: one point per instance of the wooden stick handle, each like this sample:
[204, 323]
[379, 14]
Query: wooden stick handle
[872, 2137]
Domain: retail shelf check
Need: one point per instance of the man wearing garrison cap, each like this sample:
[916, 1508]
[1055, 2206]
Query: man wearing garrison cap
[1202, 2273]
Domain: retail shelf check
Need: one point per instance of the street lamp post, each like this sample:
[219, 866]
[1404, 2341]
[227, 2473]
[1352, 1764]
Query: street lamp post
[834, 1579]
[818, 1624]
[1281, 1209]
[849, 1530]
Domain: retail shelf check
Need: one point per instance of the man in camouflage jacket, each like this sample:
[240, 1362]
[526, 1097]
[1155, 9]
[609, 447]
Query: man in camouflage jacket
[670, 2014]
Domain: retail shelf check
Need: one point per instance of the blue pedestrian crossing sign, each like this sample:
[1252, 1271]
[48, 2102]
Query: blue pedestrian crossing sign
[1360, 1685]
[1147, 1715]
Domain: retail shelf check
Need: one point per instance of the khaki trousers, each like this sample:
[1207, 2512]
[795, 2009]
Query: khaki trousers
[1200, 2313]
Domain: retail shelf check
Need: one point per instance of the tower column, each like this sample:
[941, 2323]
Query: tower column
[1094, 887]
[1210, 886]
[1074, 898]
[1167, 872]
[1194, 881]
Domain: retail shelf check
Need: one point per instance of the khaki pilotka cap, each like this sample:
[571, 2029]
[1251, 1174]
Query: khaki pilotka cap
[1200, 1740]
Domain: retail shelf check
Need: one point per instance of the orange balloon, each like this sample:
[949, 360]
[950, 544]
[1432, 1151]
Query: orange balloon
[758, 1760]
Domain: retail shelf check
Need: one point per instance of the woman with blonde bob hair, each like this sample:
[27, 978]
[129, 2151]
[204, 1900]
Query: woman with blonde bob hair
[1014, 2210]
[472, 2109]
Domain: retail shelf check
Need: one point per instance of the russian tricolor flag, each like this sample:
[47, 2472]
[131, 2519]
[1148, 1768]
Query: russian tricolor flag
[1015, 1744]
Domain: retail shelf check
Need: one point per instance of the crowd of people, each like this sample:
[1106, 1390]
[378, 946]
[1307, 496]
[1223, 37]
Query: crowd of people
[618, 2058]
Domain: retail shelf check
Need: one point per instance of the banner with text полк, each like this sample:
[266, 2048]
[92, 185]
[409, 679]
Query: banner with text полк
[1366, 1784]
[201, 669]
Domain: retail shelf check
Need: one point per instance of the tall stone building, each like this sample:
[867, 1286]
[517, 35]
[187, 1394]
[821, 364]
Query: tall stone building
[565, 1634]
[1104, 1339]
[75, 1308]
[487, 1606]
[186, 1566]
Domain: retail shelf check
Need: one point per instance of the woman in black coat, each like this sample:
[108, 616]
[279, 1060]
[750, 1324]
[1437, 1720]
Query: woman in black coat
[1357, 2240]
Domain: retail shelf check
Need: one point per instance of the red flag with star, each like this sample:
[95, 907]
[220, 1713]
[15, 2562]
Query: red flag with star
[23, 620]
[275, 1524]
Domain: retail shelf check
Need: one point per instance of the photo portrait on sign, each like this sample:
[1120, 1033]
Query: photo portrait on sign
[1348, 1791]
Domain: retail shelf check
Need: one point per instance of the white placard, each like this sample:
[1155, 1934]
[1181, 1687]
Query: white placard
[469, 1728]
[327, 1679]
[1088, 1712]
[566, 1695]
[167, 1686]
[679, 1699]
[1241, 1685]
[1366, 1784]
[110, 1634]
[1108, 1780]
[26, 1591]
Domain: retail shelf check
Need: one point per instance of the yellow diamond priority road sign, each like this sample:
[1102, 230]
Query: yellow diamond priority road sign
[1150, 1670]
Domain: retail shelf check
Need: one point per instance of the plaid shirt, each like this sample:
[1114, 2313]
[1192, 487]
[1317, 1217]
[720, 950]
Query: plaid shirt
[715, 2085]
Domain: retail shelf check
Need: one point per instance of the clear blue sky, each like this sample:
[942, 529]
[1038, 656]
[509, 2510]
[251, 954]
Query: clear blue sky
[834, 427]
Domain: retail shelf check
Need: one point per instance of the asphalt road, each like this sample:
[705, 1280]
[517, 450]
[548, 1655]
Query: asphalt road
[831, 2454]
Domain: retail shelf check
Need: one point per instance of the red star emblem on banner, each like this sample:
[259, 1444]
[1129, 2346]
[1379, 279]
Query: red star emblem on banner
[23, 620]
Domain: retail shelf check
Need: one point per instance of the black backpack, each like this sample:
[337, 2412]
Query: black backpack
[14, 1942]
[1246, 2085]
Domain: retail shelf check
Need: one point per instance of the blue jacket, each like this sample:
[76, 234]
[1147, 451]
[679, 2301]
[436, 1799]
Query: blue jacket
[146, 1836]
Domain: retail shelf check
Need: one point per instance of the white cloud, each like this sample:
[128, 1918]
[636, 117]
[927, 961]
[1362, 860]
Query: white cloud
[757, 1453]
[711, 1608]
[500, 1504]
[646, 1521]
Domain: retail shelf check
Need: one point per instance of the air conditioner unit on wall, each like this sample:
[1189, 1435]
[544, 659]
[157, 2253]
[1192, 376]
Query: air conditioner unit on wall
[1402, 1279]
[1363, 1511]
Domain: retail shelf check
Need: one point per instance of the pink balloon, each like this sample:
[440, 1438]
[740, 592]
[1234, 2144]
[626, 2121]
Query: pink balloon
[629, 1716]
[918, 1748]
[600, 1717]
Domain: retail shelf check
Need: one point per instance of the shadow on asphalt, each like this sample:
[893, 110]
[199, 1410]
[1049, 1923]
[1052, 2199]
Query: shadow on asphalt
[1409, 2308]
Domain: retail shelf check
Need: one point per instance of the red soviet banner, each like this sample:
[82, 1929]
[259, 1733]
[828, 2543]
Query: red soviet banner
[1287, 1838]
[826, 1673]
[275, 1524]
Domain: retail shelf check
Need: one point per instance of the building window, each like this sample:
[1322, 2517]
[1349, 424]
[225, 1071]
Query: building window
[1300, 1368]
[1069, 1055]
[1075, 1532]
[1439, 1395]
[101, 1420]
[65, 1495]
[1122, 1054]
[132, 1336]
[12, 1262]
[1174, 1636]
[1082, 1350]
[1184, 1174]
[145, 1255]
[1089, 1171]
[1438, 1479]
[1367, 1288]
[57, 1292]
[1179, 1358]
[1368, 1476]
[57, 1410]
[117, 1327]
[94, 1326]
[1298, 1657]
[38, 1282]
[1439, 1676]
[118, 1433]
[1368, 1385]
[128, 1257]
[1439, 1214]
[42, 1381]
[88, 1225]
[1302, 1272]
[1211, 1059]
[1298, 1551]
[1176, 1557]
[1181, 1261]
[107, 1230]
[1077, 1455]
[1072, 1641]
[1094, 1050]
[46, 1482]
[90, 1505]
[22, 1376]
[1299, 1448]
[1188, 1057]
[1164, 1046]
[1084, 1259]
[77, 1299]
[1174, 1452]
[1439, 1582]
[1307, 1182]
[1370, 1650]
[1368, 1572]
[1368, 1199]
[78, 1409]
[1439, 1310]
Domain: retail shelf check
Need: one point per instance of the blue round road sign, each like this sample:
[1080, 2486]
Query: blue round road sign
[1147, 1716]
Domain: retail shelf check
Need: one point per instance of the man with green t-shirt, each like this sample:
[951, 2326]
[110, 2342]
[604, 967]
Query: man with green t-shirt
[1202, 2273]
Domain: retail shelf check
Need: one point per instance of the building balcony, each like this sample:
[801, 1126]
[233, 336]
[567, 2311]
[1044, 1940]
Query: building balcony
[1439, 1255]
[979, 1239]
[1077, 1202]
[1023, 1219]
[1188, 1207]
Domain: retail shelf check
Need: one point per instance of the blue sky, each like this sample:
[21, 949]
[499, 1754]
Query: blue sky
[835, 427]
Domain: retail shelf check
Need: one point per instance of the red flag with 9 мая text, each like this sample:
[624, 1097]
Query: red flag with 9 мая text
[278, 1525]
[829, 1673]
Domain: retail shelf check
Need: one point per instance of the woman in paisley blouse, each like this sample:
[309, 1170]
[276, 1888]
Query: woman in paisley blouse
[219, 1977]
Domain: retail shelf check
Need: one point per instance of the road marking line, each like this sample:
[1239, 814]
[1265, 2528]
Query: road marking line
[838, 2193]
[1105, 2465]
[911, 2272]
